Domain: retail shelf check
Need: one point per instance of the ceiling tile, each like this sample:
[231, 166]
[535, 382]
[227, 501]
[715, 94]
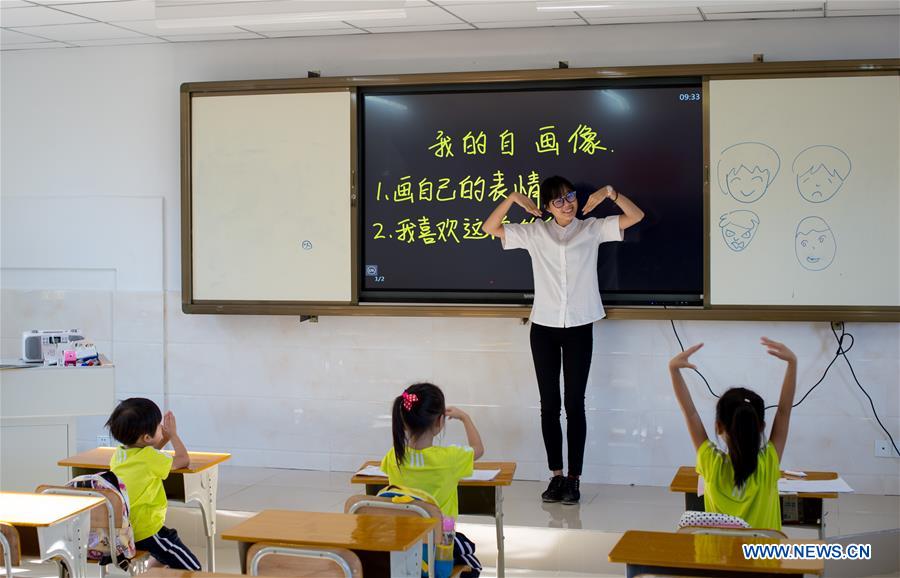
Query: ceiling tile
[470, 2]
[637, 10]
[414, 17]
[766, 15]
[761, 6]
[532, 24]
[212, 37]
[91, 31]
[36, 16]
[302, 26]
[14, 4]
[878, 12]
[505, 12]
[119, 41]
[35, 46]
[645, 19]
[862, 5]
[113, 11]
[149, 27]
[429, 28]
[299, 33]
[13, 37]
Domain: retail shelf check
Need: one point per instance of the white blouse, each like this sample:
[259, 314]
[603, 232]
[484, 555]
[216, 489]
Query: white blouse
[564, 261]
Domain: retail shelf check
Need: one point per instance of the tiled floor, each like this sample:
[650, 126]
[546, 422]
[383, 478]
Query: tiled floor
[608, 508]
[542, 540]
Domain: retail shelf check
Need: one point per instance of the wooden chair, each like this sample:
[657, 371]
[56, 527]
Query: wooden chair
[739, 532]
[109, 519]
[362, 504]
[309, 561]
[11, 549]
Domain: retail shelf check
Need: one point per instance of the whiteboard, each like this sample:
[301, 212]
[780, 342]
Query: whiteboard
[271, 197]
[804, 191]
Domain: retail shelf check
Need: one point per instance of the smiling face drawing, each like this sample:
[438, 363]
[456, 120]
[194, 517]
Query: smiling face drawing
[814, 244]
[821, 171]
[747, 186]
[738, 229]
[745, 170]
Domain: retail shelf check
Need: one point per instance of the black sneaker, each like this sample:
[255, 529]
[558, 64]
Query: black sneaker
[554, 491]
[570, 490]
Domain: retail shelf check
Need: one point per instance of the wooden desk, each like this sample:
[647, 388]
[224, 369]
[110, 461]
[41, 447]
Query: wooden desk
[476, 498]
[198, 483]
[808, 506]
[375, 539]
[703, 555]
[63, 524]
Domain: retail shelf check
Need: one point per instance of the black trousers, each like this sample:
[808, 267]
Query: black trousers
[571, 348]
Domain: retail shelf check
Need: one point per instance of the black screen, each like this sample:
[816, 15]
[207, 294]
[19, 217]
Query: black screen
[436, 163]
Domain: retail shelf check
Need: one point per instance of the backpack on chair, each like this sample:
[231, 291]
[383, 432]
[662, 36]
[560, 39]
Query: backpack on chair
[99, 541]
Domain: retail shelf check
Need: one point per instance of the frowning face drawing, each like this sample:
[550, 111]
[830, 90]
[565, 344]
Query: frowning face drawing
[821, 171]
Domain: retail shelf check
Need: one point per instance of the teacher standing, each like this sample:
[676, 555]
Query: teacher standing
[567, 301]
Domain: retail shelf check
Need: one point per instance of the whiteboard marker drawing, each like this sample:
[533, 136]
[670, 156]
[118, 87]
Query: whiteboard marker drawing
[738, 229]
[745, 170]
[814, 244]
[821, 171]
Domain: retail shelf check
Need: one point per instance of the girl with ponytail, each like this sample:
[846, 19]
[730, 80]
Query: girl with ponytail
[414, 462]
[744, 481]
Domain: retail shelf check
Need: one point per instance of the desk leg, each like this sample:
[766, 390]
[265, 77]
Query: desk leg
[498, 521]
[201, 488]
[408, 564]
[67, 540]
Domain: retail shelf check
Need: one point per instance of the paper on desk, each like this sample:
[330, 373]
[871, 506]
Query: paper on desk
[477, 475]
[483, 475]
[372, 471]
[838, 485]
[699, 485]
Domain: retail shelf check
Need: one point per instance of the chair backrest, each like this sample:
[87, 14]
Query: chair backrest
[740, 532]
[10, 540]
[302, 562]
[99, 516]
[361, 504]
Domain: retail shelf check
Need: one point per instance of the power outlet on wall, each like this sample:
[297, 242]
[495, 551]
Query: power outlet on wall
[884, 449]
[103, 441]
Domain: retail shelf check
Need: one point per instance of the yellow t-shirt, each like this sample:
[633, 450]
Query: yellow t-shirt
[756, 502]
[436, 470]
[142, 470]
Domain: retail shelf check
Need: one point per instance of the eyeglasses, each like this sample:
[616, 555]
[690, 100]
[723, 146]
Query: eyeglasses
[559, 202]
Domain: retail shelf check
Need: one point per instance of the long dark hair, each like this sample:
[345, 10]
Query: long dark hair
[741, 413]
[415, 411]
[553, 188]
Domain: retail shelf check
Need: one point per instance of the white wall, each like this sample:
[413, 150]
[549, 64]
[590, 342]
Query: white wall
[95, 130]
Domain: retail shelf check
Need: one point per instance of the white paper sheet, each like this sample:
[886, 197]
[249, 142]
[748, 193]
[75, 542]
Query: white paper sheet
[786, 486]
[477, 475]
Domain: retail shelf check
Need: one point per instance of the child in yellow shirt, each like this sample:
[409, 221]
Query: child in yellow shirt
[744, 481]
[140, 427]
[418, 415]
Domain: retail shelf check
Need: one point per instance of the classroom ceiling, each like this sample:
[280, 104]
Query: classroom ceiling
[41, 24]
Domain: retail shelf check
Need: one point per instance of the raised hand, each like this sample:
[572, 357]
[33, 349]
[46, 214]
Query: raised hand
[526, 203]
[170, 427]
[455, 413]
[682, 360]
[597, 197]
[779, 350]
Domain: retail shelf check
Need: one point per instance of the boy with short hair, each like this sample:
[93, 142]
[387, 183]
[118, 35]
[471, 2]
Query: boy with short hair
[143, 431]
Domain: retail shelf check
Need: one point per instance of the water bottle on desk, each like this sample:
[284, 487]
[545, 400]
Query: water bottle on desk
[443, 556]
